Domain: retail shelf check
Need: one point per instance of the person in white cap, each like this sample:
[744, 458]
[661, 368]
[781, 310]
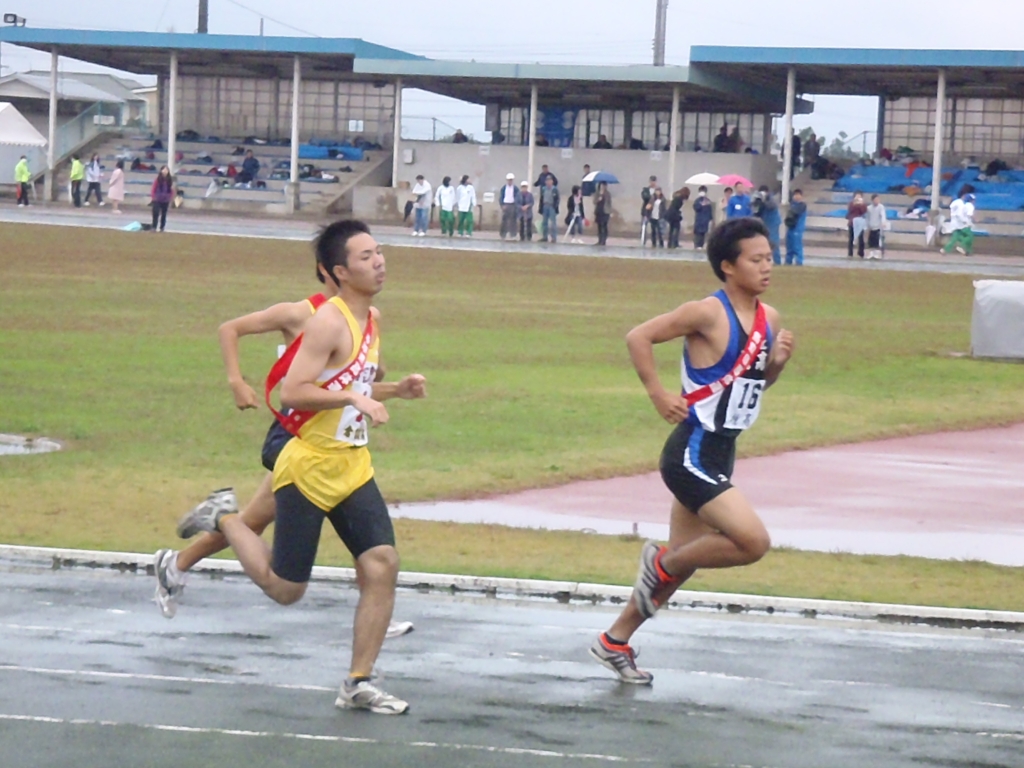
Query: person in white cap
[510, 198]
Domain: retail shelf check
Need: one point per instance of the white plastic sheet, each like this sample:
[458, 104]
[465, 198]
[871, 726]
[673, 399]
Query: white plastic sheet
[997, 323]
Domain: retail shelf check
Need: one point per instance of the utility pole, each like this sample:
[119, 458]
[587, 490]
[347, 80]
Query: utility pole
[660, 23]
[204, 17]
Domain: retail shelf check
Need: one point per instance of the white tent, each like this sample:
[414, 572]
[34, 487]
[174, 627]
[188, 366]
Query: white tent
[16, 130]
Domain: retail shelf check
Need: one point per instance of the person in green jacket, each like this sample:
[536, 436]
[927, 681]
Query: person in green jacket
[22, 177]
[77, 175]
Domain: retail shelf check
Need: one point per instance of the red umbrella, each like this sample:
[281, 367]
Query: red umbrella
[732, 179]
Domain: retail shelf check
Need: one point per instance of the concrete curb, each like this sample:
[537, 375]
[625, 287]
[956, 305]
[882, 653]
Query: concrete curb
[563, 591]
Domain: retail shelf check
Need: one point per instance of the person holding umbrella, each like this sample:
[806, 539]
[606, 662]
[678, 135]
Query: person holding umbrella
[602, 211]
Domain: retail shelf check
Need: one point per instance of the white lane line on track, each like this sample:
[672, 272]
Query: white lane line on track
[159, 678]
[335, 739]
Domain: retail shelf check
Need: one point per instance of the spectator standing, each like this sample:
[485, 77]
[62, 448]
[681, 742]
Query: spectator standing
[739, 203]
[545, 174]
[250, 169]
[722, 213]
[796, 221]
[459, 137]
[646, 195]
[795, 154]
[510, 199]
[549, 204]
[93, 179]
[674, 215]
[525, 212]
[602, 142]
[656, 210]
[602, 211]
[768, 212]
[703, 213]
[961, 217]
[422, 198]
[444, 199]
[588, 187]
[721, 142]
[856, 224]
[735, 143]
[877, 220]
[77, 175]
[465, 197]
[116, 189]
[161, 196]
[22, 177]
[575, 215]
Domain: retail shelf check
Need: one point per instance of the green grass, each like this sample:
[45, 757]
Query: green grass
[109, 343]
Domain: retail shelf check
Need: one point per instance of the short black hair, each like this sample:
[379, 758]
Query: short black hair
[331, 245]
[702, 188]
[798, 191]
[724, 244]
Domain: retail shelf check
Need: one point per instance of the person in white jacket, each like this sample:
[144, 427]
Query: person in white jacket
[465, 197]
[444, 199]
[422, 199]
[93, 177]
[961, 219]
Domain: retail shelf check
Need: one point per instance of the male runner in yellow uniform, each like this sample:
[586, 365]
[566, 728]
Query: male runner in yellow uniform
[326, 470]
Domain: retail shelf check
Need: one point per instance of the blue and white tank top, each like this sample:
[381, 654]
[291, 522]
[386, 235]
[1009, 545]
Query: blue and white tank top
[737, 406]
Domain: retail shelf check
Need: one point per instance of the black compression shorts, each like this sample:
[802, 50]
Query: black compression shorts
[697, 465]
[361, 521]
[273, 444]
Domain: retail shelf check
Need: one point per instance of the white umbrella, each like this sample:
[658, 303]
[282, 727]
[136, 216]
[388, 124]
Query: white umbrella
[702, 178]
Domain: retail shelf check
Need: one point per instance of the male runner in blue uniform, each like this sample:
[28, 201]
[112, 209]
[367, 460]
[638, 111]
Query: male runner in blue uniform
[712, 524]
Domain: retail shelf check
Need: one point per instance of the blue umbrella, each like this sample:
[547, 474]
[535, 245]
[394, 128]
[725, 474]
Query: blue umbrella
[596, 177]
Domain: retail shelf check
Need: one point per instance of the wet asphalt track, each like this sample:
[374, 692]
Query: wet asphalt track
[92, 675]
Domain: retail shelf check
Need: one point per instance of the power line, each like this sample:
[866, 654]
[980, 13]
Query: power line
[271, 18]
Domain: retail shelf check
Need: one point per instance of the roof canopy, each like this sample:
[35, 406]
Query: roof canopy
[16, 130]
[868, 72]
[35, 86]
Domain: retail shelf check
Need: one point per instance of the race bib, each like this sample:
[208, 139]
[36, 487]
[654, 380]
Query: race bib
[744, 403]
[353, 426]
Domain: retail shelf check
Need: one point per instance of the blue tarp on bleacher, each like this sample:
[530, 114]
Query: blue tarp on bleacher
[1004, 192]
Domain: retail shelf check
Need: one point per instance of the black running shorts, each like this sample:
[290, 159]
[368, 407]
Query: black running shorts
[273, 444]
[362, 522]
[696, 465]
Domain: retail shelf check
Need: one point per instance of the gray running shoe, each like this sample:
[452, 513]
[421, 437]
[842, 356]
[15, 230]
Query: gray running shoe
[365, 695]
[167, 590]
[398, 628]
[620, 659]
[206, 515]
[648, 579]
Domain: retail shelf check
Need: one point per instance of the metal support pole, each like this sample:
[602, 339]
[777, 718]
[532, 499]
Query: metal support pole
[940, 116]
[172, 113]
[533, 133]
[673, 139]
[292, 202]
[51, 149]
[787, 141]
[397, 154]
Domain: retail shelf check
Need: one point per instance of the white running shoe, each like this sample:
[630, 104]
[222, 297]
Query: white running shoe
[365, 695]
[170, 583]
[102, 204]
[206, 515]
[620, 659]
[649, 579]
[398, 628]
[86, 203]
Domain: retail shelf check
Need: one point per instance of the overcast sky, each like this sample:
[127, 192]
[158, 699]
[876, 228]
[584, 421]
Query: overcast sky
[563, 31]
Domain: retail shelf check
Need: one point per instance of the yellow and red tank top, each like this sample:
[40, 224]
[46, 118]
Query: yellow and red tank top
[342, 428]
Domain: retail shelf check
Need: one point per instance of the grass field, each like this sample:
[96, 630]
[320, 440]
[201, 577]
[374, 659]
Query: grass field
[109, 343]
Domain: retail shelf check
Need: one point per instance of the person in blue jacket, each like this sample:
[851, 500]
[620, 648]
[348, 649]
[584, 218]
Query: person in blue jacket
[739, 203]
[768, 212]
[796, 221]
[703, 213]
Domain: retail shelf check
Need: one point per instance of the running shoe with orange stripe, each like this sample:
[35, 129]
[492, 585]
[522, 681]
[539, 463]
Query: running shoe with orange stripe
[650, 579]
[620, 659]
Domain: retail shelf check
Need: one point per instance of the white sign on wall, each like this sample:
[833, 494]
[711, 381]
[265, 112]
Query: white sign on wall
[485, 149]
[488, 197]
[567, 153]
[656, 156]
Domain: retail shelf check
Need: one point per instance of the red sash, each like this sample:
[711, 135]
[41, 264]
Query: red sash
[295, 419]
[755, 342]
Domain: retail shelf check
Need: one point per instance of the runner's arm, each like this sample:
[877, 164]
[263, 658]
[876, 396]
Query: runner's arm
[782, 349]
[692, 318]
[287, 318]
[320, 340]
[412, 387]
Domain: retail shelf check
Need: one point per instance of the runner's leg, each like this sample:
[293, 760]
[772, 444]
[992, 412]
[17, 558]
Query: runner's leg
[379, 570]
[258, 514]
[684, 528]
[739, 537]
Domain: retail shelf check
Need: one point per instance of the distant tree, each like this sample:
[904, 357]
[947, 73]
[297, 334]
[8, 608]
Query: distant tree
[838, 150]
